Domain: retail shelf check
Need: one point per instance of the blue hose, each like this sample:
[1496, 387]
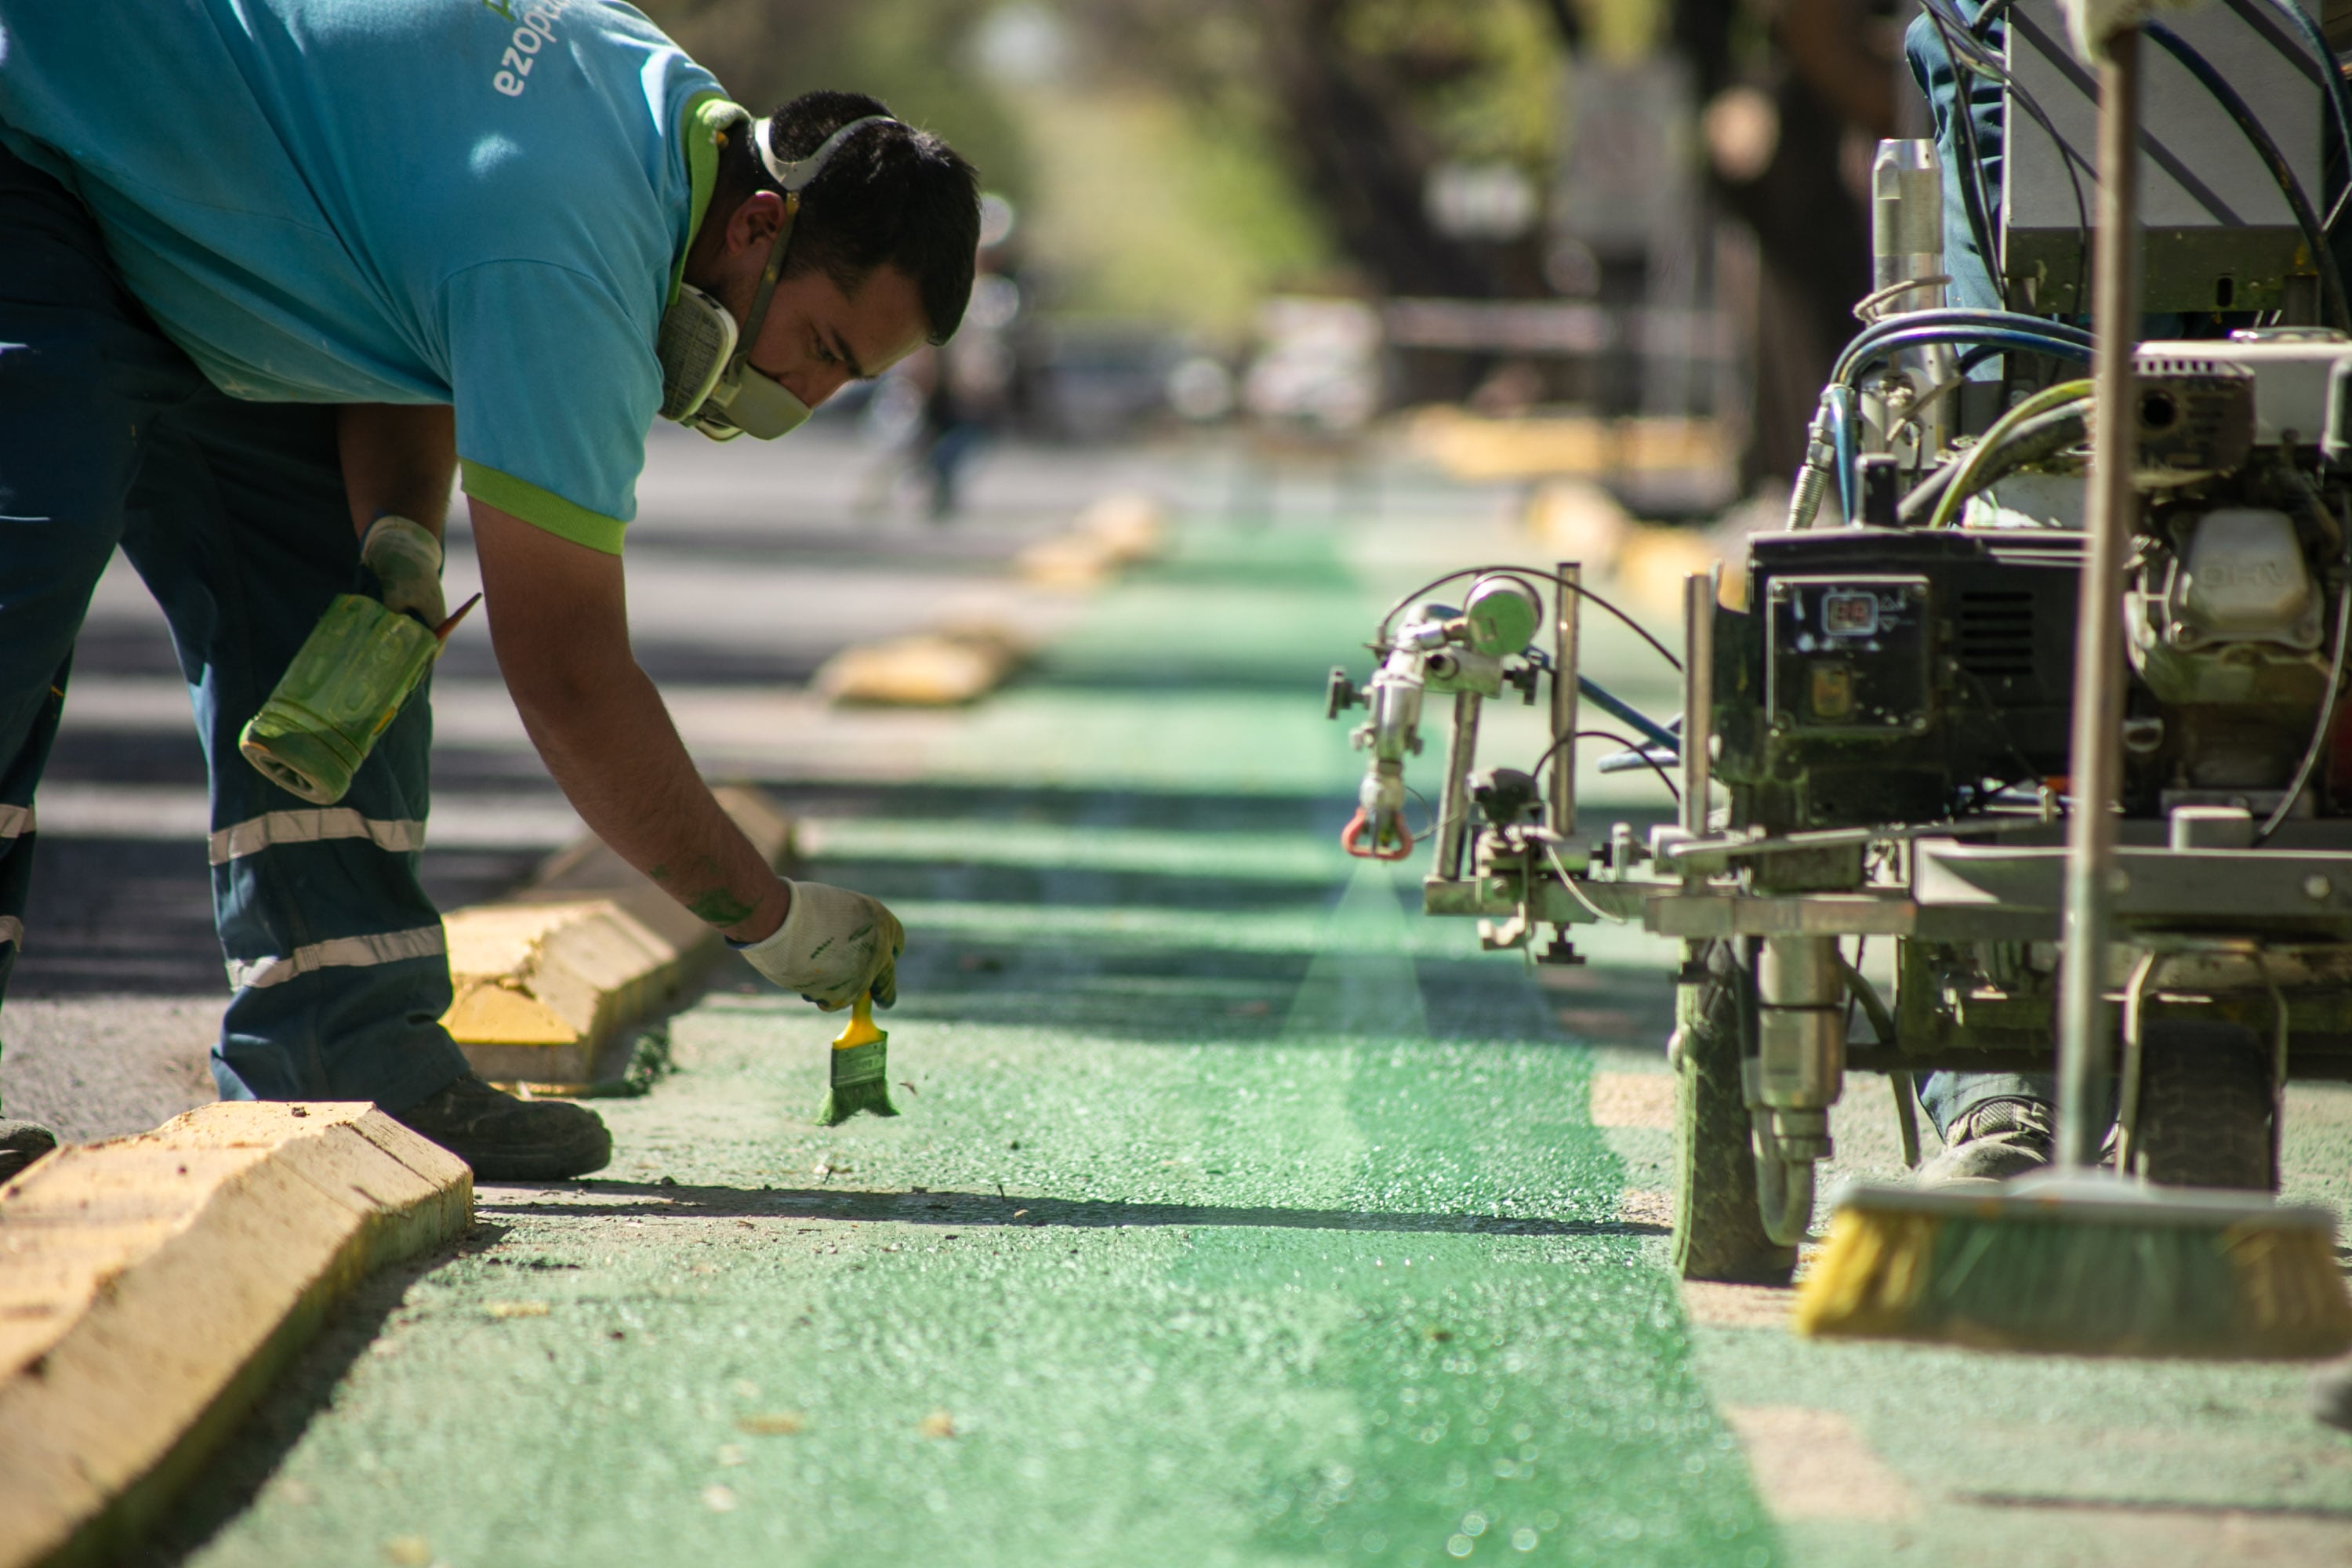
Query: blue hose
[1839, 400]
[1862, 353]
[1618, 708]
[1964, 316]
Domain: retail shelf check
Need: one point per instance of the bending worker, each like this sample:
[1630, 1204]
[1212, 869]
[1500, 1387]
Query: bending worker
[271, 273]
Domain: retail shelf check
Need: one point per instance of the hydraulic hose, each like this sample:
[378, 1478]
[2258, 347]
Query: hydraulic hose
[1784, 1195]
[2046, 422]
[1838, 404]
[1812, 474]
[1865, 351]
[1957, 316]
[2036, 440]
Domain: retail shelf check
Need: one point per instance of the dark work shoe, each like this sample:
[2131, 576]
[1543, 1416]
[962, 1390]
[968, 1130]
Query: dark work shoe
[21, 1143]
[1993, 1140]
[509, 1140]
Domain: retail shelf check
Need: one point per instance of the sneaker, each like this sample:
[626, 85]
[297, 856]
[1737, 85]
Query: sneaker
[1992, 1141]
[21, 1143]
[509, 1140]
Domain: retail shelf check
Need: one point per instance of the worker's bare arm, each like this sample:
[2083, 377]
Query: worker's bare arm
[559, 622]
[398, 458]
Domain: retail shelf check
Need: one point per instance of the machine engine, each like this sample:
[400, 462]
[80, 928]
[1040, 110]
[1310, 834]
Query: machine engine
[1884, 674]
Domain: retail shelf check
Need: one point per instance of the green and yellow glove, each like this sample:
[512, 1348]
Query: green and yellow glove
[407, 560]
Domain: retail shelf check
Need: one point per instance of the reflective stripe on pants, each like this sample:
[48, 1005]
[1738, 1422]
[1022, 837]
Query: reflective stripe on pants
[258, 833]
[342, 953]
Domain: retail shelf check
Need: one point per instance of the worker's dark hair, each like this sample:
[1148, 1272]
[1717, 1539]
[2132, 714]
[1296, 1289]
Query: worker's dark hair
[891, 195]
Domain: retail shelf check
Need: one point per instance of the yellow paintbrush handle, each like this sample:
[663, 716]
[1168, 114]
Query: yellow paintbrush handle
[860, 1030]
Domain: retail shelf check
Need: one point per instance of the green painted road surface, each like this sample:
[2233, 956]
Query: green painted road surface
[1237, 1216]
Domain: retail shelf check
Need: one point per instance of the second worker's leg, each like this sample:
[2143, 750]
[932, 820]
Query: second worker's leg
[1994, 1125]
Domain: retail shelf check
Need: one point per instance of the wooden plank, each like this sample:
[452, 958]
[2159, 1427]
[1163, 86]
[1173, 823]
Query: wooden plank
[152, 1286]
[552, 976]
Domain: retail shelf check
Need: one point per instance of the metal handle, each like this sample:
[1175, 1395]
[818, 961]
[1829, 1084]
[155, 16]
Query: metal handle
[1563, 699]
[1699, 699]
[2094, 765]
[1453, 802]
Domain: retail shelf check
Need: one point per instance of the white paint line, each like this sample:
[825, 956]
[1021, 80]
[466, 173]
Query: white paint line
[1633, 1099]
[1811, 1464]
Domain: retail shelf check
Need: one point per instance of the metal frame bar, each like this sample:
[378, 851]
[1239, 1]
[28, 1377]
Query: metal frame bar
[1565, 636]
[1698, 704]
[1453, 801]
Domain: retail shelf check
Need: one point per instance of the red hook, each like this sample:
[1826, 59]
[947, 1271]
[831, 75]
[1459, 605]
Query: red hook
[1351, 835]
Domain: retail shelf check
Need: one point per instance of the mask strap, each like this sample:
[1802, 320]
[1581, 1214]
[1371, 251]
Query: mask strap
[795, 175]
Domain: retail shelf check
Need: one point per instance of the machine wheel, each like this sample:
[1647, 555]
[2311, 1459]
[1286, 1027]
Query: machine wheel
[2207, 1118]
[1719, 1234]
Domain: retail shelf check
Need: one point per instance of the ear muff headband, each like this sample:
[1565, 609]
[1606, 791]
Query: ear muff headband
[795, 176]
[794, 173]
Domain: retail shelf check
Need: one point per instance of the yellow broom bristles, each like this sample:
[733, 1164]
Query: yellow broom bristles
[2290, 1290]
[1869, 1273]
[2179, 1274]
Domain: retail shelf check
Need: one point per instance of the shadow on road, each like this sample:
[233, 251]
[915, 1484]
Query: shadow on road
[251, 1452]
[647, 1200]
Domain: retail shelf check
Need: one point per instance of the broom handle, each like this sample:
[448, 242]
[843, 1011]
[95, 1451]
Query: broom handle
[2095, 764]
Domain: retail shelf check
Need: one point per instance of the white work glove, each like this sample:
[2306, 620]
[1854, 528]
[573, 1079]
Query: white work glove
[406, 561]
[833, 947]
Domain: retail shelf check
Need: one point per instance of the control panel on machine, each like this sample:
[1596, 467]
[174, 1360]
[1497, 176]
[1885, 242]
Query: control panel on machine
[1849, 656]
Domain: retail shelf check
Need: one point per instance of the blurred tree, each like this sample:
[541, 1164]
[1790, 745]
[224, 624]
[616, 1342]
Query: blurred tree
[914, 55]
[1132, 201]
[1149, 211]
[1362, 100]
[1798, 95]
[1178, 159]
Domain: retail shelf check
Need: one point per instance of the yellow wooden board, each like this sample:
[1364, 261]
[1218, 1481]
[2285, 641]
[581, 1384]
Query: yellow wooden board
[546, 979]
[150, 1286]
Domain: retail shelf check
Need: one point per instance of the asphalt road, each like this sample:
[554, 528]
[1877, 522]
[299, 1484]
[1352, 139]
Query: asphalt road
[1237, 1213]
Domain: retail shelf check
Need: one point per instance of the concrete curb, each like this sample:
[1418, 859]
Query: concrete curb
[960, 664]
[1477, 448]
[1116, 531]
[547, 979]
[933, 669]
[152, 1286]
[953, 665]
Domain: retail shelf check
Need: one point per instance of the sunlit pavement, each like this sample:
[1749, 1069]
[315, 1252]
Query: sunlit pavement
[1238, 1213]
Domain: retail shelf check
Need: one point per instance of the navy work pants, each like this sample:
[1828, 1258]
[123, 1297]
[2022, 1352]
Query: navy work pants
[235, 515]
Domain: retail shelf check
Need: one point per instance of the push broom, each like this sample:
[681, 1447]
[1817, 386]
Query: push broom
[2080, 1261]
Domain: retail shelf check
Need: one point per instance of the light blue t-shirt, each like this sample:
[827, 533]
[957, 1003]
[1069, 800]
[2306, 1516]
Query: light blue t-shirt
[484, 202]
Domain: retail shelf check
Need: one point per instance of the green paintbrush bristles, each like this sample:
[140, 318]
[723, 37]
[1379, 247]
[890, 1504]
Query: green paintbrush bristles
[861, 1070]
[2081, 1266]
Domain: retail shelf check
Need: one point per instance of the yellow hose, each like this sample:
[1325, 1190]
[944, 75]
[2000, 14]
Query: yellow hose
[1956, 493]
